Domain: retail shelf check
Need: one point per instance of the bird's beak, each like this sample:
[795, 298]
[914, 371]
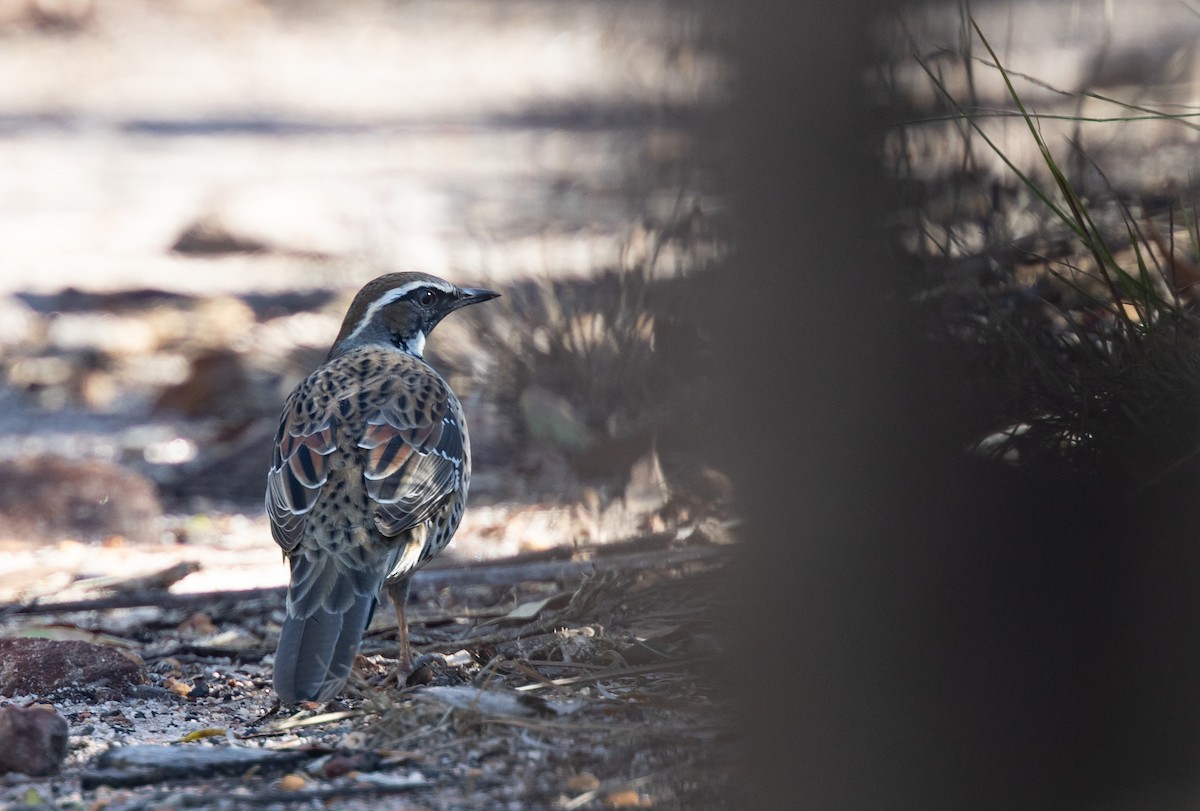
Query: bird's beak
[473, 295]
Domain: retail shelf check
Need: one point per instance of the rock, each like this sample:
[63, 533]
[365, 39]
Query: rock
[269, 218]
[35, 740]
[209, 236]
[47, 15]
[31, 666]
[51, 498]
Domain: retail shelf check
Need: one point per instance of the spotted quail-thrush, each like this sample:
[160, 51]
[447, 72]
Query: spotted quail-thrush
[369, 478]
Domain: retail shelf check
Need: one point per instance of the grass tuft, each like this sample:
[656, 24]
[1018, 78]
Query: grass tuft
[1081, 342]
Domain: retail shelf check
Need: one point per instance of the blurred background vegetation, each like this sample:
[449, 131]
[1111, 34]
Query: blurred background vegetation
[1047, 212]
[192, 191]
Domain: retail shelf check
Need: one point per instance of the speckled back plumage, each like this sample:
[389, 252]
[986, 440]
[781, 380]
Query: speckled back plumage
[369, 477]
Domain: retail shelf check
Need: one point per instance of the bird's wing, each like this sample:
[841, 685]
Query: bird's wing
[304, 443]
[402, 417]
[414, 442]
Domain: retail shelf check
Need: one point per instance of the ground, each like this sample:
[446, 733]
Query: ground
[193, 192]
[602, 693]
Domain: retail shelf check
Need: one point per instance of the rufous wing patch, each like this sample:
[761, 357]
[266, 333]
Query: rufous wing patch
[387, 459]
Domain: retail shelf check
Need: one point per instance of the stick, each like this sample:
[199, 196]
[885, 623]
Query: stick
[604, 675]
[499, 573]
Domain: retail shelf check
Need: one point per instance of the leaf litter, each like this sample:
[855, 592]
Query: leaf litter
[588, 693]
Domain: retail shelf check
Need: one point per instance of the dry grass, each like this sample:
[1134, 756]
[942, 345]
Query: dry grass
[1069, 307]
[600, 371]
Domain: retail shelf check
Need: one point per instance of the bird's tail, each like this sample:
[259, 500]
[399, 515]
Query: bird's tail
[328, 610]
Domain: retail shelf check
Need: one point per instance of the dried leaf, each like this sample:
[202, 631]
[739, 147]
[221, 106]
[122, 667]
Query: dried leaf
[179, 688]
[460, 658]
[198, 623]
[201, 734]
[583, 782]
[529, 611]
[626, 798]
[652, 630]
[292, 782]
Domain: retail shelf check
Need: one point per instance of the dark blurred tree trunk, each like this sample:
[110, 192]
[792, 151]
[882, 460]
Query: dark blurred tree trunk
[916, 631]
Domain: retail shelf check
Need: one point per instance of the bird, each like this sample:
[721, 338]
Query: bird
[368, 480]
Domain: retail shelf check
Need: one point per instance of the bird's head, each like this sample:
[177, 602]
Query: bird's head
[400, 310]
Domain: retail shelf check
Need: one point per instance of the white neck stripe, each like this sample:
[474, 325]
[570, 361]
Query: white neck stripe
[417, 345]
[395, 294]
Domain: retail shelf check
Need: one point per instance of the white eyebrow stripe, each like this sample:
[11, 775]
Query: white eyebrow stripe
[395, 294]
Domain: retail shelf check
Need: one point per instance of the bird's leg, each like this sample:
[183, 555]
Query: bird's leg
[398, 592]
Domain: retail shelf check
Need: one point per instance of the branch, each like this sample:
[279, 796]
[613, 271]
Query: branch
[503, 572]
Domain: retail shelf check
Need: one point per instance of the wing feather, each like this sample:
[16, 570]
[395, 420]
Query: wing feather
[404, 424]
[300, 466]
[412, 483]
[387, 459]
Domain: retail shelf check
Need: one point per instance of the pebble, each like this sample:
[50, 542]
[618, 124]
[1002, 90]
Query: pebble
[35, 740]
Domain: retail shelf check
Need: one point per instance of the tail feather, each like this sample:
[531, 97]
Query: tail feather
[320, 637]
[315, 653]
[326, 582]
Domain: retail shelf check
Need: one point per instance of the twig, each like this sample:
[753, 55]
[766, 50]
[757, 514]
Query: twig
[655, 541]
[160, 580]
[616, 674]
[135, 599]
[506, 575]
[501, 573]
[187, 652]
[189, 798]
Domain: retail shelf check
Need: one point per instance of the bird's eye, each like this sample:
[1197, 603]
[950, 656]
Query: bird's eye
[426, 297]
